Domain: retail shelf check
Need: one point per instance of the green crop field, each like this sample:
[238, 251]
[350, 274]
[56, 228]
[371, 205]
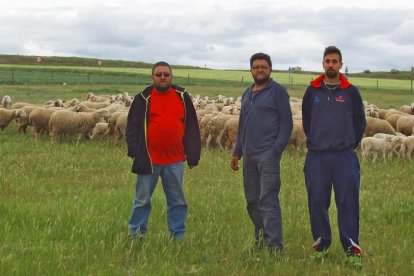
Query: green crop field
[64, 207]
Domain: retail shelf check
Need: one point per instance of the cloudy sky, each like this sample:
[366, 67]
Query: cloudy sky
[219, 34]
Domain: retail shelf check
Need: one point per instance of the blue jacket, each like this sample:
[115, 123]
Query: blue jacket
[332, 120]
[136, 131]
[265, 120]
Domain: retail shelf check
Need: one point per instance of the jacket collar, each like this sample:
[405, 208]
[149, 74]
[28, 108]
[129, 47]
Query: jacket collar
[319, 80]
[147, 91]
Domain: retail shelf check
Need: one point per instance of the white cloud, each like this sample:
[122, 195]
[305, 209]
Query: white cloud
[221, 34]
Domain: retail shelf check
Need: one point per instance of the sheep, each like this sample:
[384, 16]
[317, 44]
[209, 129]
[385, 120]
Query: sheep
[7, 115]
[96, 105]
[203, 126]
[64, 122]
[6, 102]
[215, 128]
[382, 113]
[18, 105]
[230, 132]
[112, 122]
[72, 102]
[372, 145]
[372, 111]
[405, 125]
[298, 137]
[407, 147]
[99, 130]
[120, 127]
[211, 106]
[409, 109]
[396, 142]
[55, 103]
[375, 125]
[394, 111]
[39, 120]
[230, 110]
[23, 121]
[393, 119]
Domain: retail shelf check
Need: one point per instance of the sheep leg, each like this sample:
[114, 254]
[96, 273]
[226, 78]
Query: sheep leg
[208, 141]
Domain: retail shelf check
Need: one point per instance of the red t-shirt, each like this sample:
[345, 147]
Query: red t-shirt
[166, 128]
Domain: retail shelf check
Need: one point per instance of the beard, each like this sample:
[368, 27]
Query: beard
[261, 80]
[332, 74]
[162, 88]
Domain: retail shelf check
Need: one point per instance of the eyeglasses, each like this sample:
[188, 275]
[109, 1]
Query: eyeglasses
[159, 75]
[262, 67]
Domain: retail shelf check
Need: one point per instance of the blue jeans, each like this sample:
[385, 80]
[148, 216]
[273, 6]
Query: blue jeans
[261, 174]
[172, 182]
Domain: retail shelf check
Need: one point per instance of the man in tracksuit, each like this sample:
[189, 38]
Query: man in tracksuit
[334, 122]
[265, 126]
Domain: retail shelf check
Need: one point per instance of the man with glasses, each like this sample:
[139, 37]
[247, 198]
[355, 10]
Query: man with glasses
[265, 126]
[162, 132]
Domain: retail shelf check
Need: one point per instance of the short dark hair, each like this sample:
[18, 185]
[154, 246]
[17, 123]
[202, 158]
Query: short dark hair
[260, 56]
[332, 50]
[160, 63]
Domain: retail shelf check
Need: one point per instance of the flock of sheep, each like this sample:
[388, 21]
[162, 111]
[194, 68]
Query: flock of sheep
[389, 132]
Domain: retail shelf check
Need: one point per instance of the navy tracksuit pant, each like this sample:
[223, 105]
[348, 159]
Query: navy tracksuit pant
[341, 170]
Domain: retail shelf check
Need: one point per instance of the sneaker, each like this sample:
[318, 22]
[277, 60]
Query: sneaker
[354, 256]
[319, 255]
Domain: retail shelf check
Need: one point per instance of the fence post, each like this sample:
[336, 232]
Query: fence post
[242, 81]
[188, 78]
[411, 86]
[377, 86]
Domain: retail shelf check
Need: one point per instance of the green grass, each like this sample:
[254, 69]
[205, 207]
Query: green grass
[64, 207]
[64, 210]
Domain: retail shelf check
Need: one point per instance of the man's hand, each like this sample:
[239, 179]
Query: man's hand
[235, 162]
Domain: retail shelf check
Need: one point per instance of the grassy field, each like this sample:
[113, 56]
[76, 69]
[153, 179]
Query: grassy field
[64, 207]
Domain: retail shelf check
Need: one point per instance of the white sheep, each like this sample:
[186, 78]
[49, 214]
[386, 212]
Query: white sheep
[396, 142]
[298, 137]
[215, 128]
[112, 122]
[39, 120]
[7, 115]
[6, 102]
[100, 130]
[372, 145]
[405, 125]
[230, 132]
[96, 105]
[393, 119]
[23, 121]
[64, 122]
[371, 110]
[407, 147]
[120, 127]
[376, 125]
[203, 126]
[409, 109]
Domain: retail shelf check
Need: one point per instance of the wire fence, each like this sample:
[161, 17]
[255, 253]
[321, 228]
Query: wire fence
[50, 76]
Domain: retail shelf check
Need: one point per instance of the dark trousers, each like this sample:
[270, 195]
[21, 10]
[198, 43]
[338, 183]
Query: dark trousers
[261, 174]
[342, 171]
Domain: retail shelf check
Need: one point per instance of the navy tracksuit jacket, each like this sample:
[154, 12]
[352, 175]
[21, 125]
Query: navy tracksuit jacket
[334, 122]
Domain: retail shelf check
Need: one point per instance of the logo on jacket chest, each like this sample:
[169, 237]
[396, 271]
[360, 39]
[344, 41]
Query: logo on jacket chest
[340, 99]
